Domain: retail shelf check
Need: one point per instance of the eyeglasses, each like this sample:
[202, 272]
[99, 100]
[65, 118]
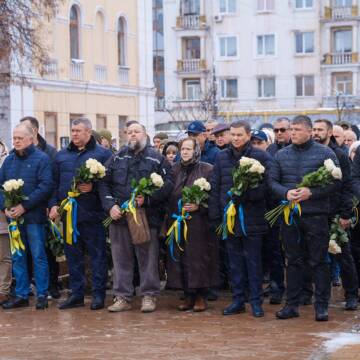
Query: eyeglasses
[282, 130]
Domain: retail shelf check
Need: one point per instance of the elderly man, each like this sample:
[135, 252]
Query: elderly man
[31, 165]
[89, 216]
[307, 237]
[338, 133]
[135, 161]
[349, 137]
[222, 136]
[282, 135]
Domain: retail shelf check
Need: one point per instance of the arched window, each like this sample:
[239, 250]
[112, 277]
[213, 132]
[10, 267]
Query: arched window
[100, 38]
[74, 33]
[122, 42]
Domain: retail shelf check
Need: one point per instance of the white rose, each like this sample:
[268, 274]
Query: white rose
[256, 167]
[21, 182]
[334, 248]
[16, 185]
[202, 184]
[157, 180]
[329, 165]
[7, 186]
[336, 173]
[93, 170]
[245, 161]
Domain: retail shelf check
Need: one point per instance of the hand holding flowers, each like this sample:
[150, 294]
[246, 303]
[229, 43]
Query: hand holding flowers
[338, 236]
[196, 195]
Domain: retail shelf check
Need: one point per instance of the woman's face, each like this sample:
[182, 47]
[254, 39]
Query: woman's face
[170, 156]
[187, 150]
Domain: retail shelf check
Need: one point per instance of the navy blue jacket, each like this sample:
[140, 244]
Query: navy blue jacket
[253, 200]
[209, 153]
[275, 147]
[289, 167]
[125, 166]
[65, 165]
[34, 168]
[46, 148]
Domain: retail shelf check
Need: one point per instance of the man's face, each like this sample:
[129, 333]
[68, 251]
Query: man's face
[259, 144]
[282, 132]
[201, 138]
[239, 137]
[80, 135]
[222, 138]
[349, 137]
[21, 139]
[157, 143]
[338, 133]
[321, 133]
[136, 136]
[209, 128]
[300, 133]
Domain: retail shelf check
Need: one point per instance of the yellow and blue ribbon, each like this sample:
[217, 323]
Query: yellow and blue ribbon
[55, 231]
[291, 209]
[16, 244]
[176, 232]
[70, 205]
[130, 206]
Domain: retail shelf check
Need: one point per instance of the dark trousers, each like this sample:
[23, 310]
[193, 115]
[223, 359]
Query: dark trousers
[92, 237]
[355, 249]
[245, 267]
[306, 244]
[275, 261]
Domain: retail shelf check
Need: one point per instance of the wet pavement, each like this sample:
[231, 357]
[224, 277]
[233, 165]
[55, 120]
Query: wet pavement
[169, 334]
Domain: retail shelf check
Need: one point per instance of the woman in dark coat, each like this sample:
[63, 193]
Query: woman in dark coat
[193, 269]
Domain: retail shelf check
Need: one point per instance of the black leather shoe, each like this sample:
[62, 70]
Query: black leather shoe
[54, 292]
[72, 302]
[41, 303]
[321, 313]
[234, 308]
[351, 304]
[288, 312]
[97, 303]
[257, 310]
[15, 303]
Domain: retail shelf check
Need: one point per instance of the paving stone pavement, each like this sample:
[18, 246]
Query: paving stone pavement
[82, 334]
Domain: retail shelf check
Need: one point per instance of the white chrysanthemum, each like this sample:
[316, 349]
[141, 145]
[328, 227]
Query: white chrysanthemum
[329, 165]
[246, 161]
[334, 248]
[157, 180]
[203, 184]
[336, 173]
[256, 167]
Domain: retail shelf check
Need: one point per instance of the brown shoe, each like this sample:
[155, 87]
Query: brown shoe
[3, 298]
[187, 304]
[200, 304]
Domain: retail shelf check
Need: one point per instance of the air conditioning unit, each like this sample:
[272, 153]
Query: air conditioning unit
[218, 18]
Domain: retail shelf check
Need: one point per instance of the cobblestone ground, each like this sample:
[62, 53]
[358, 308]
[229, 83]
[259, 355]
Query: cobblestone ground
[168, 334]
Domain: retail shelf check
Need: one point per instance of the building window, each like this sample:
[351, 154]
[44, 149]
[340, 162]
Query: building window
[50, 122]
[99, 39]
[342, 41]
[304, 42]
[190, 7]
[342, 3]
[122, 130]
[191, 48]
[304, 4]
[192, 89]
[343, 83]
[100, 122]
[265, 5]
[265, 45]
[305, 85]
[121, 41]
[228, 46]
[227, 6]
[74, 33]
[229, 88]
[266, 87]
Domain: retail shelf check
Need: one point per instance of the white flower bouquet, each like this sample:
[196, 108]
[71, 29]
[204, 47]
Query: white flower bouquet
[13, 193]
[338, 236]
[197, 193]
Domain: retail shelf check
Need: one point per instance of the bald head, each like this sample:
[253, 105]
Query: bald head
[338, 133]
[349, 137]
[23, 137]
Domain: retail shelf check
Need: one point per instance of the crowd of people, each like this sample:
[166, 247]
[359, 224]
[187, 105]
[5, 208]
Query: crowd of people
[291, 257]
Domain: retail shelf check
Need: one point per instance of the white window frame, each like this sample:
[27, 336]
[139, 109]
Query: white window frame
[227, 12]
[265, 9]
[262, 79]
[303, 95]
[344, 84]
[304, 7]
[188, 86]
[303, 43]
[223, 88]
[226, 57]
[343, 4]
[263, 54]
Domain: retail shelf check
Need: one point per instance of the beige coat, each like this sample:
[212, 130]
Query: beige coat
[3, 224]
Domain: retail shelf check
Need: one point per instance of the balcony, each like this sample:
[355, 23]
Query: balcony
[51, 70]
[341, 58]
[76, 70]
[191, 65]
[100, 73]
[123, 72]
[341, 12]
[191, 22]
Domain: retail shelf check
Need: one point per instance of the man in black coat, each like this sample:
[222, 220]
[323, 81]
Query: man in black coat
[243, 248]
[341, 204]
[282, 135]
[308, 236]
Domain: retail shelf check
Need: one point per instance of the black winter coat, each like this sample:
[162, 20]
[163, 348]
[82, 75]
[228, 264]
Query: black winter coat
[356, 174]
[275, 147]
[289, 167]
[253, 201]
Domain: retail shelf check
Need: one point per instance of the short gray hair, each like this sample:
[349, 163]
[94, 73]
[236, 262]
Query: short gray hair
[82, 120]
[28, 129]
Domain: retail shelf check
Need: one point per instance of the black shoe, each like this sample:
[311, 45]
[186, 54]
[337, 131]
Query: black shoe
[72, 302]
[306, 300]
[321, 313]
[42, 303]
[351, 304]
[54, 292]
[15, 303]
[288, 312]
[211, 295]
[97, 303]
[234, 308]
[257, 310]
[275, 299]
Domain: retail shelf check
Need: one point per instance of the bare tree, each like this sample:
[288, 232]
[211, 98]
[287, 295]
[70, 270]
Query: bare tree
[21, 42]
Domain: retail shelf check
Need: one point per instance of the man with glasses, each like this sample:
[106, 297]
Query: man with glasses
[282, 135]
